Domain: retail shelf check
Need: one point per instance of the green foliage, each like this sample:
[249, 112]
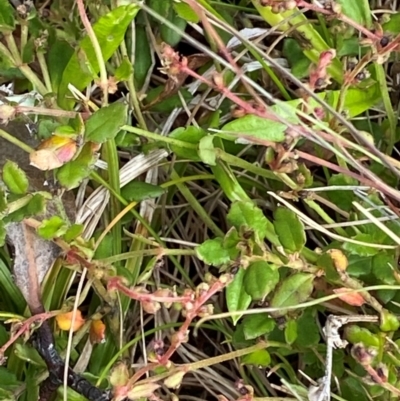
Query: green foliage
[15, 179]
[255, 326]
[237, 299]
[258, 358]
[190, 135]
[52, 228]
[105, 123]
[291, 331]
[74, 172]
[260, 279]
[138, 191]
[254, 127]
[292, 291]
[358, 11]
[245, 215]
[110, 30]
[213, 252]
[290, 230]
[7, 22]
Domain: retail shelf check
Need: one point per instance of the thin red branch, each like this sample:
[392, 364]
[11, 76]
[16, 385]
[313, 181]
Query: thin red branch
[26, 326]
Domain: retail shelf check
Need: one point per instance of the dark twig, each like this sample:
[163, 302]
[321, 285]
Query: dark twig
[43, 341]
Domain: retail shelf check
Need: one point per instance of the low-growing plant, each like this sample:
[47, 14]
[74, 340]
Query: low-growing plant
[199, 200]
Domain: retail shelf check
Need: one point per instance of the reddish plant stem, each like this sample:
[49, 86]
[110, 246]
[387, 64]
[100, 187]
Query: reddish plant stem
[182, 333]
[334, 167]
[227, 93]
[342, 17]
[223, 49]
[25, 327]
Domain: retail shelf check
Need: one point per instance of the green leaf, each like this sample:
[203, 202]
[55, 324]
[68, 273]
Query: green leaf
[124, 70]
[246, 214]
[299, 63]
[65, 131]
[358, 11]
[15, 178]
[106, 122]
[293, 291]
[213, 252]
[8, 379]
[126, 140]
[207, 151]
[228, 182]
[361, 250]
[110, 31]
[138, 191]
[260, 279]
[260, 357]
[290, 229]
[28, 354]
[190, 135]
[383, 268]
[142, 56]
[357, 101]
[73, 232]
[35, 206]
[255, 326]
[169, 35]
[186, 12]
[254, 127]
[105, 250]
[230, 243]
[359, 266]
[59, 55]
[236, 296]
[348, 46]
[353, 390]
[307, 330]
[388, 321]
[342, 199]
[291, 331]
[71, 174]
[7, 22]
[393, 25]
[385, 296]
[355, 334]
[52, 228]
[238, 339]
